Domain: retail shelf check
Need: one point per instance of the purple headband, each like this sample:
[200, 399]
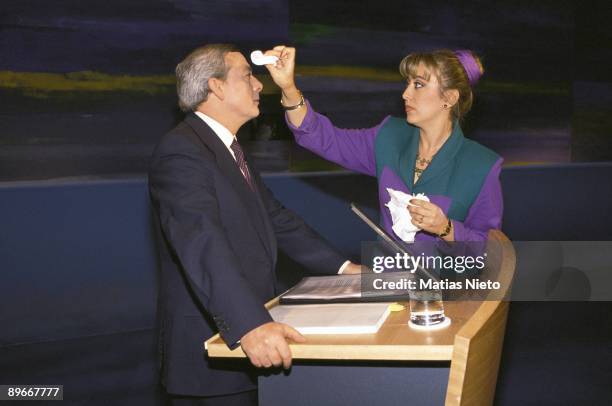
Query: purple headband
[469, 65]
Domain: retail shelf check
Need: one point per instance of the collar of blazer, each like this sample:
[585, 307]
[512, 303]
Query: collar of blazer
[251, 199]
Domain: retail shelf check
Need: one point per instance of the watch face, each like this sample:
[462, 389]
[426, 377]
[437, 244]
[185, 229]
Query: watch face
[447, 229]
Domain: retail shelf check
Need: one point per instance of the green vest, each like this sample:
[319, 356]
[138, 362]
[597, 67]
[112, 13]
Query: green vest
[458, 170]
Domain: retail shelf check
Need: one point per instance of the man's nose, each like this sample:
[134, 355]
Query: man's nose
[257, 85]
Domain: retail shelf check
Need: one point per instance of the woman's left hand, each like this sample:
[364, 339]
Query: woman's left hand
[428, 216]
[283, 70]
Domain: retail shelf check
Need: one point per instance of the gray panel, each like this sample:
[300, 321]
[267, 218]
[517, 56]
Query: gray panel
[414, 383]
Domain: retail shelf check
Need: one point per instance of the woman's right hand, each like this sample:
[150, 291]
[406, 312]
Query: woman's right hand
[283, 71]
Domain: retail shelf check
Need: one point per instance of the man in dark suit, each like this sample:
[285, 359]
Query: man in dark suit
[219, 229]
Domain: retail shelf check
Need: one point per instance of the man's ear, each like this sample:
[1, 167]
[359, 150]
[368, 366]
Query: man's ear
[216, 87]
[451, 96]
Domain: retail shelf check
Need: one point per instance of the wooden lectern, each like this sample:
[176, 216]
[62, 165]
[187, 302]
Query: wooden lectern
[456, 365]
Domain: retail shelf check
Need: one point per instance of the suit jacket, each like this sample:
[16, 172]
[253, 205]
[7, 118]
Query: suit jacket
[218, 243]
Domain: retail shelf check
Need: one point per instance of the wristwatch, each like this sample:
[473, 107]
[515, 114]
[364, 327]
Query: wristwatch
[447, 230]
[297, 106]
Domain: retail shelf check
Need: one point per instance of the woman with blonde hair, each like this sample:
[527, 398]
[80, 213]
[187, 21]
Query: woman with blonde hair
[423, 152]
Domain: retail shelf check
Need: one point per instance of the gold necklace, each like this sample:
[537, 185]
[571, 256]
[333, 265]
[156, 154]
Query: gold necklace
[422, 161]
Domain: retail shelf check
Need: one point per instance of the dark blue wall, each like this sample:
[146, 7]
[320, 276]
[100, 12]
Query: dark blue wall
[78, 285]
[78, 257]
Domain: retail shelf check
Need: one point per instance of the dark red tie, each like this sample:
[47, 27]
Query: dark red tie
[242, 163]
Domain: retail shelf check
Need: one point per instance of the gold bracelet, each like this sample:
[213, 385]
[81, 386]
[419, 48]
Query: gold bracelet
[447, 230]
[297, 106]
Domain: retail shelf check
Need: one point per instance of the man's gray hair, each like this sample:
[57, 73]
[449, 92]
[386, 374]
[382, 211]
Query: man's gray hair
[193, 72]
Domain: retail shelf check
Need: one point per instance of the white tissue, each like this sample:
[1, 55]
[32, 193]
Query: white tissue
[258, 58]
[402, 220]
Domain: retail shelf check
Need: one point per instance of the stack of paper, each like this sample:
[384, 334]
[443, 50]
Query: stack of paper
[345, 318]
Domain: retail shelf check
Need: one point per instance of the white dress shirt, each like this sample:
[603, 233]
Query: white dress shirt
[222, 132]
